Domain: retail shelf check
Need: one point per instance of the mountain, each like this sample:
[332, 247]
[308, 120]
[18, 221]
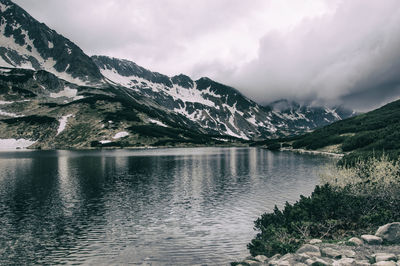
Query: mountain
[217, 108]
[52, 95]
[27, 43]
[308, 116]
[367, 134]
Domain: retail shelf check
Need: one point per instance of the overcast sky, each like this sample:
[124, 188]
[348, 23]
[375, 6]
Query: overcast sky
[323, 51]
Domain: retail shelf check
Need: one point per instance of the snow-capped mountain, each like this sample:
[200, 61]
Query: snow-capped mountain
[308, 116]
[217, 108]
[53, 95]
[27, 43]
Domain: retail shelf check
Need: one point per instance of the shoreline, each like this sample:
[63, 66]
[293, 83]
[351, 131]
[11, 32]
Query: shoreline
[314, 152]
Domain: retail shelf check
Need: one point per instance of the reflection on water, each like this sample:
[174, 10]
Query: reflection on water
[165, 206]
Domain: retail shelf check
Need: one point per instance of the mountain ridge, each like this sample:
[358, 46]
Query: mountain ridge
[64, 86]
[27, 43]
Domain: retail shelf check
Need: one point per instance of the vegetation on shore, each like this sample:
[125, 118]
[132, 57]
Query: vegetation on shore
[363, 136]
[350, 200]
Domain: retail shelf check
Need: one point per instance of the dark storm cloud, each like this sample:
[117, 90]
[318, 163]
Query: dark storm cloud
[330, 51]
[350, 57]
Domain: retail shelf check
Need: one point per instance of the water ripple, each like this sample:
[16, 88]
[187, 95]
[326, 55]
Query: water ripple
[151, 207]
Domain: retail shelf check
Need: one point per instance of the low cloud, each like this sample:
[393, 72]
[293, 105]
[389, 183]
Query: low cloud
[326, 51]
[350, 57]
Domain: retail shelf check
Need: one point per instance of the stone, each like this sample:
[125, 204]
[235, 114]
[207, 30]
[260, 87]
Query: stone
[274, 260]
[356, 241]
[261, 258]
[315, 241]
[284, 263]
[253, 262]
[275, 257]
[309, 250]
[389, 233]
[344, 262]
[385, 257]
[318, 261]
[302, 257]
[371, 239]
[348, 253]
[385, 263]
[331, 253]
[361, 263]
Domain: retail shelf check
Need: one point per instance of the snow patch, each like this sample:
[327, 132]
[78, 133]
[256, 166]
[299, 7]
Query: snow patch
[63, 123]
[67, 92]
[105, 141]
[3, 63]
[121, 135]
[46, 64]
[333, 112]
[157, 122]
[50, 45]
[3, 7]
[3, 113]
[5, 102]
[12, 144]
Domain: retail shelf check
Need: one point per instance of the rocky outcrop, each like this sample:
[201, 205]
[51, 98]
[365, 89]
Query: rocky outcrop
[383, 248]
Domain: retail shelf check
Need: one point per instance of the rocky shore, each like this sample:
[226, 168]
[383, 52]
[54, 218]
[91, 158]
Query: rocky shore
[383, 249]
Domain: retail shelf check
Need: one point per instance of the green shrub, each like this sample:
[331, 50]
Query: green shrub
[329, 213]
[351, 200]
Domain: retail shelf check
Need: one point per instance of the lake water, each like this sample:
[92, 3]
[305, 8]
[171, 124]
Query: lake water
[191, 206]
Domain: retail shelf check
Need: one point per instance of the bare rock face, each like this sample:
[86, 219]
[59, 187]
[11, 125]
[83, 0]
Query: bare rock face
[390, 233]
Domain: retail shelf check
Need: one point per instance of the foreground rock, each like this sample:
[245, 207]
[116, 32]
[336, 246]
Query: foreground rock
[383, 248]
[390, 233]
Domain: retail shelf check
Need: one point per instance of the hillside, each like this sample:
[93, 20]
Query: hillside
[362, 135]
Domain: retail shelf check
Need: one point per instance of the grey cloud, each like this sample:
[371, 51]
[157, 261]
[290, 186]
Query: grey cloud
[351, 57]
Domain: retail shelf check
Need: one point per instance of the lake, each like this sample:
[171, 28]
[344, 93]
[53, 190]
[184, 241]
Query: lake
[182, 206]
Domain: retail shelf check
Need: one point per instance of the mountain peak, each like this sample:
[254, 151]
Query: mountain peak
[27, 43]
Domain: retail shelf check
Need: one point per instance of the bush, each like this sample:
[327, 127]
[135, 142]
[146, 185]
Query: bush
[375, 177]
[350, 201]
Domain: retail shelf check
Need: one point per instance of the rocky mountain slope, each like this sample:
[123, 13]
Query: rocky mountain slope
[217, 108]
[27, 43]
[53, 95]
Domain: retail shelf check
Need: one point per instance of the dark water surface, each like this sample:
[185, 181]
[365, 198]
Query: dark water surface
[153, 207]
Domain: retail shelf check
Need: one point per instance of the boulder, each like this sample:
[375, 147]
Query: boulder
[331, 253]
[315, 241]
[344, 262]
[371, 239]
[385, 263]
[261, 258]
[309, 250]
[275, 257]
[253, 262]
[356, 241]
[385, 257]
[389, 233]
[361, 263]
[348, 253]
[318, 261]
